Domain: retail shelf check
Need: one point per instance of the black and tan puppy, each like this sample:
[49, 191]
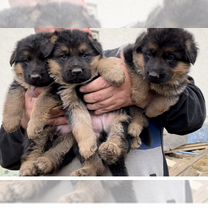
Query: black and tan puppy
[31, 70]
[76, 60]
[159, 63]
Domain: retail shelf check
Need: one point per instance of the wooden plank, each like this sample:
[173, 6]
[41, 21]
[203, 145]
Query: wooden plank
[190, 147]
[182, 166]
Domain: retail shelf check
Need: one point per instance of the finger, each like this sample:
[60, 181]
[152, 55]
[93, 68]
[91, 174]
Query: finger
[58, 121]
[106, 110]
[101, 105]
[99, 96]
[95, 85]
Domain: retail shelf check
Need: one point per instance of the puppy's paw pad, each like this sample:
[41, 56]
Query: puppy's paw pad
[109, 152]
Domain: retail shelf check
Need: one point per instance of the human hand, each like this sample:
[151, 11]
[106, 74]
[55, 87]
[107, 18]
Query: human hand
[102, 97]
[57, 117]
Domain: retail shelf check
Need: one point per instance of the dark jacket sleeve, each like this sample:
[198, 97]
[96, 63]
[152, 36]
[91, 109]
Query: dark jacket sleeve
[11, 148]
[188, 115]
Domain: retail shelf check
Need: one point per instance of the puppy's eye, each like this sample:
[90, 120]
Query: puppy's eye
[63, 56]
[170, 58]
[148, 55]
[84, 55]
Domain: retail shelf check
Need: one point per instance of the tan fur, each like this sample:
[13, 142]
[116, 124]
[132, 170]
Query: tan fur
[136, 126]
[114, 148]
[82, 48]
[110, 70]
[13, 109]
[41, 114]
[64, 49]
[19, 72]
[92, 167]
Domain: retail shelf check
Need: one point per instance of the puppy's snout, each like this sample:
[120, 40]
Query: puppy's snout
[156, 77]
[77, 71]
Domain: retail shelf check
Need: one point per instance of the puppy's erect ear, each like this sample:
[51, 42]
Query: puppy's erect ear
[96, 45]
[139, 42]
[191, 51]
[13, 58]
[48, 43]
[128, 55]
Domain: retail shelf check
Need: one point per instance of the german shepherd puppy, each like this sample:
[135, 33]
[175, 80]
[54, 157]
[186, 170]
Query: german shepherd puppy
[159, 63]
[31, 70]
[76, 60]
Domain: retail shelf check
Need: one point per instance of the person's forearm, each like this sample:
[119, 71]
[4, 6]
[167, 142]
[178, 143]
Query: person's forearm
[187, 115]
[11, 148]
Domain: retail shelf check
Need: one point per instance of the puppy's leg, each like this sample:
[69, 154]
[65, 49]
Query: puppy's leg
[138, 122]
[36, 149]
[116, 145]
[45, 104]
[52, 159]
[80, 121]
[83, 131]
[92, 167]
[111, 70]
[14, 107]
[159, 105]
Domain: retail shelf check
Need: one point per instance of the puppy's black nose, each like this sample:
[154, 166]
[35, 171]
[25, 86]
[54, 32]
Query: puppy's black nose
[35, 76]
[153, 75]
[77, 71]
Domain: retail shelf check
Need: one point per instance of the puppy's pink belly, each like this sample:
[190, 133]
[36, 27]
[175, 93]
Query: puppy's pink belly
[99, 123]
[102, 122]
[64, 129]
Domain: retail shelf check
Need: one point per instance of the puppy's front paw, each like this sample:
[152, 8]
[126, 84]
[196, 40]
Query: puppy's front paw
[111, 70]
[44, 165]
[33, 131]
[11, 124]
[136, 143]
[116, 78]
[28, 169]
[87, 149]
[110, 152]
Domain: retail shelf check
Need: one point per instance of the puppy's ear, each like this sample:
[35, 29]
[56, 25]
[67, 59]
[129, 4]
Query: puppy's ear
[48, 43]
[139, 42]
[96, 45]
[13, 58]
[191, 51]
[128, 55]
